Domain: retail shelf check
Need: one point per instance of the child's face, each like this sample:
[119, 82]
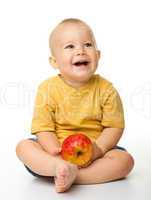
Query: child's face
[75, 52]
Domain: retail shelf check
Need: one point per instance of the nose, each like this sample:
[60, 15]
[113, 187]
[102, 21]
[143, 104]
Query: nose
[80, 51]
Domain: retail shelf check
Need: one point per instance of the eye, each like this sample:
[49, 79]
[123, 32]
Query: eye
[70, 46]
[88, 44]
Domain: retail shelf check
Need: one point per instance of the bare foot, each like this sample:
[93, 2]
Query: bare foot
[65, 176]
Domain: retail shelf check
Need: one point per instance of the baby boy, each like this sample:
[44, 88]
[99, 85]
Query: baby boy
[76, 100]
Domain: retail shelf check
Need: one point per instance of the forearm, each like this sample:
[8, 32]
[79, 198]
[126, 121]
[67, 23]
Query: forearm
[48, 141]
[109, 138]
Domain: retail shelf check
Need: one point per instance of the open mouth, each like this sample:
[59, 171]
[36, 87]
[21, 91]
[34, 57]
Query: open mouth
[81, 63]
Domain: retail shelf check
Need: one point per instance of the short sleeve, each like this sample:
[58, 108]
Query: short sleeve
[44, 109]
[112, 109]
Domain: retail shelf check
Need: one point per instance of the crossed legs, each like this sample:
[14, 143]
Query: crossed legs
[116, 164]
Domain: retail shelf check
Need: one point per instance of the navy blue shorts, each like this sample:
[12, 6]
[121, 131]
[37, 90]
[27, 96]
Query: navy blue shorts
[40, 176]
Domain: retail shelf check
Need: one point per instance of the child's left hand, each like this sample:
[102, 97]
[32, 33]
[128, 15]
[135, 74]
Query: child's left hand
[97, 153]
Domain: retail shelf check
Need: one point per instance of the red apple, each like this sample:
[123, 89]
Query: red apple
[77, 149]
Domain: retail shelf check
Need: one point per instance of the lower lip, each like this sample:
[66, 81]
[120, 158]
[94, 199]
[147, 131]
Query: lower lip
[81, 66]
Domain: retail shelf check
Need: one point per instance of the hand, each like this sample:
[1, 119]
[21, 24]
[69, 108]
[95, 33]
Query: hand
[97, 153]
[55, 151]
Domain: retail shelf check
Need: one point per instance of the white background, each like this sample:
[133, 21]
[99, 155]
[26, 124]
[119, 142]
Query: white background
[123, 33]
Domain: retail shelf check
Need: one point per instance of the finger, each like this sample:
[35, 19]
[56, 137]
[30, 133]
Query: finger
[56, 151]
[86, 165]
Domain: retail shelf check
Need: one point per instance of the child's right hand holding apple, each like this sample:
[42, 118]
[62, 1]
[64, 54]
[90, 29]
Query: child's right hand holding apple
[56, 151]
[96, 153]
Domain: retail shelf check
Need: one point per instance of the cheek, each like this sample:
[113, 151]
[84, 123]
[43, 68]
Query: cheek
[65, 59]
[61, 62]
[95, 59]
[64, 69]
[93, 55]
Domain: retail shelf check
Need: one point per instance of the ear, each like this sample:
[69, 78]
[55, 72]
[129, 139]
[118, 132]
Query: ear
[53, 62]
[98, 54]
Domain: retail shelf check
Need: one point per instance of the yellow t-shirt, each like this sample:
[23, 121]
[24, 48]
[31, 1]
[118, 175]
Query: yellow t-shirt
[65, 110]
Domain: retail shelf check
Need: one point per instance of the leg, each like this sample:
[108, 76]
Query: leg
[116, 164]
[39, 161]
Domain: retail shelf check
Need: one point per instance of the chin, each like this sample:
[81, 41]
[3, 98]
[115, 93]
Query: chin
[83, 77]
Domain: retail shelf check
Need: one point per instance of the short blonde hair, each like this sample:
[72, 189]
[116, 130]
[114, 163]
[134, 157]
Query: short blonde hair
[67, 21]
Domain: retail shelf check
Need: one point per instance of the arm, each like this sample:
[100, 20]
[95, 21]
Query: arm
[112, 116]
[108, 140]
[49, 142]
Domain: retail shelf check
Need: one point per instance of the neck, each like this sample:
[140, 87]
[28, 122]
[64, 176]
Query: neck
[74, 84]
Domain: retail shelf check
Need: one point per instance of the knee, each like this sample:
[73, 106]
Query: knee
[123, 160]
[130, 162]
[127, 163]
[21, 146]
